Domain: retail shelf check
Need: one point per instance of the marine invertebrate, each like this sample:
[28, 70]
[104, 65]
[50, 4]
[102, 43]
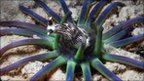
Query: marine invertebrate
[80, 43]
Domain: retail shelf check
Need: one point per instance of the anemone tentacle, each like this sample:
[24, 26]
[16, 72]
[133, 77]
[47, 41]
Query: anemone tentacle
[70, 70]
[127, 41]
[86, 71]
[95, 11]
[119, 35]
[30, 41]
[84, 12]
[98, 44]
[66, 17]
[106, 13]
[48, 68]
[124, 60]
[49, 11]
[17, 31]
[33, 27]
[41, 57]
[98, 65]
[123, 25]
[66, 10]
[80, 53]
[35, 16]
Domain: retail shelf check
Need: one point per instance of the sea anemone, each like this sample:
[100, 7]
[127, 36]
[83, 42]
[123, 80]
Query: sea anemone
[75, 44]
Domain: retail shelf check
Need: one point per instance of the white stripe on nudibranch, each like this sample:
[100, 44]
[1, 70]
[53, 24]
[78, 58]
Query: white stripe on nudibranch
[52, 27]
[87, 40]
